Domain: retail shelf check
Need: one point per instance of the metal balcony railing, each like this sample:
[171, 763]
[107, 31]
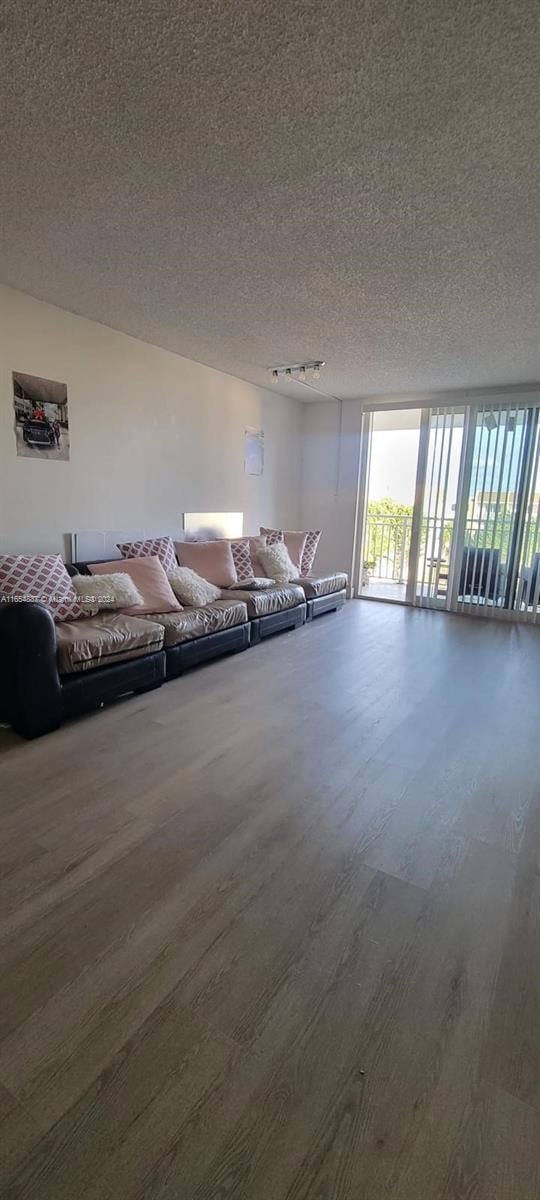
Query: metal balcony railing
[388, 539]
[386, 547]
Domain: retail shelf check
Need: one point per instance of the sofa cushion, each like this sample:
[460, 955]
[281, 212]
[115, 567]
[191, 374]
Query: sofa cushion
[278, 564]
[241, 552]
[192, 589]
[245, 552]
[114, 591]
[103, 640]
[274, 599]
[194, 623]
[311, 538]
[157, 547]
[149, 578]
[259, 583]
[322, 585]
[293, 539]
[212, 560]
[41, 578]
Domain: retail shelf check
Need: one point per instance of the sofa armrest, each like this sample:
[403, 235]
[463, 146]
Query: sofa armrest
[30, 688]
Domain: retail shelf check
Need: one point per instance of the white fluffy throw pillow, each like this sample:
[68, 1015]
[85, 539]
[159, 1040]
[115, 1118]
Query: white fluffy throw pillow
[113, 591]
[190, 588]
[277, 563]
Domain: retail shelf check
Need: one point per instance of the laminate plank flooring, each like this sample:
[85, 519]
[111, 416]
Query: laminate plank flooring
[271, 932]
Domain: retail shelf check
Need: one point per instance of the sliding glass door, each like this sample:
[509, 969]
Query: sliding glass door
[472, 529]
[390, 496]
[499, 514]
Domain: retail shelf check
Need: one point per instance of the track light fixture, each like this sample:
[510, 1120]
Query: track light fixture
[299, 371]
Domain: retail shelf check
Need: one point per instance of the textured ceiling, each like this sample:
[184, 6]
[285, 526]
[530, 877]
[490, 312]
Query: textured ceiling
[251, 182]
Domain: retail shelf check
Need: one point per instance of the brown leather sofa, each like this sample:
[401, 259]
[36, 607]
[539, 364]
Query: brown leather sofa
[51, 672]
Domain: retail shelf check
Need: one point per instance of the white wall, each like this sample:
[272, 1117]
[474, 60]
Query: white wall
[153, 435]
[330, 449]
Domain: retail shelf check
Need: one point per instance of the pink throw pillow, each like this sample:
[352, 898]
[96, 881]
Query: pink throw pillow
[212, 560]
[295, 543]
[149, 579]
[158, 547]
[311, 537]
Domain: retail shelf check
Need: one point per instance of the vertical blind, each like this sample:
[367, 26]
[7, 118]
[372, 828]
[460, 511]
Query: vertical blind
[442, 457]
[478, 544]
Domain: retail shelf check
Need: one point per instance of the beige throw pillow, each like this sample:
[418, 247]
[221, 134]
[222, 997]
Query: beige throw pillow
[191, 588]
[113, 591]
[277, 563]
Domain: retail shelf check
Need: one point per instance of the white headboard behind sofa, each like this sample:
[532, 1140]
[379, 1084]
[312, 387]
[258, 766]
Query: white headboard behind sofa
[93, 545]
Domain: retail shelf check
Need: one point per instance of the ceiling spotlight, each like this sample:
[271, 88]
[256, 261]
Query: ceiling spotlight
[298, 371]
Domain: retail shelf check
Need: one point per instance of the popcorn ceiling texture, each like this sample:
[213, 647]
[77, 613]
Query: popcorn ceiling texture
[249, 182]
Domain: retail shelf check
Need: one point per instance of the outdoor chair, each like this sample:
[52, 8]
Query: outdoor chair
[528, 584]
[480, 574]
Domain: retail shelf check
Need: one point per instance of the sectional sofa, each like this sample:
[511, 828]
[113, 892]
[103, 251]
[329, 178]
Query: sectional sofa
[52, 671]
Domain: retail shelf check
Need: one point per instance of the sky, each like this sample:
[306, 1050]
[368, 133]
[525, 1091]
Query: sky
[394, 456]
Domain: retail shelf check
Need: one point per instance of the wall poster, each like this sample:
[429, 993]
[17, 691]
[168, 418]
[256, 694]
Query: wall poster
[41, 417]
[253, 451]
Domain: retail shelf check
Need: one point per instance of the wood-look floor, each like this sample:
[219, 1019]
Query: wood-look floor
[273, 932]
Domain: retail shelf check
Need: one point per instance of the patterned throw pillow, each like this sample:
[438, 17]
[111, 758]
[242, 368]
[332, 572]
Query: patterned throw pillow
[43, 579]
[313, 537]
[273, 536]
[158, 547]
[241, 552]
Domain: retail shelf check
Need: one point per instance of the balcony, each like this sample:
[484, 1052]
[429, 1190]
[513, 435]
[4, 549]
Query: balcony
[386, 555]
[386, 559]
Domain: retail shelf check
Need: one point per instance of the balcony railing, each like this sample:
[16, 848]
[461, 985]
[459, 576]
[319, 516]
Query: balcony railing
[388, 539]
[387, 543]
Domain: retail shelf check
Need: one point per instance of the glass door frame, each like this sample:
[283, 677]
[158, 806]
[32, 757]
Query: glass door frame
[362, 498]
[523, 398]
